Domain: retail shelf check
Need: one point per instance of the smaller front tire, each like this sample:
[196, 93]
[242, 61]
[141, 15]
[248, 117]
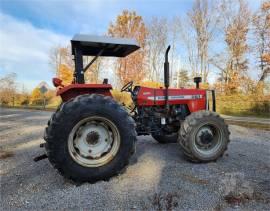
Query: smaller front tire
[204, 136]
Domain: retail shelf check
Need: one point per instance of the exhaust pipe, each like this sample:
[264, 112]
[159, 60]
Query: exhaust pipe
[167, 77]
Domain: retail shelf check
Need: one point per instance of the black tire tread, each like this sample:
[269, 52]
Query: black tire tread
[187, 127]
[78, 103]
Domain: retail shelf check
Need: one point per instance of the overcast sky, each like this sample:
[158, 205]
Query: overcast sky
[29, 28]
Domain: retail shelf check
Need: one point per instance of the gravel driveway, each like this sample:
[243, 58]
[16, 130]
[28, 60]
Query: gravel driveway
[158, 177]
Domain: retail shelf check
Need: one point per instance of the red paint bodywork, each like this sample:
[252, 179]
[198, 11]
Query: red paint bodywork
[193, 104]
[73, 90]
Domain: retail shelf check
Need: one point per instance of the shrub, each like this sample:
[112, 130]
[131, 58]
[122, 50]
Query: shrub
[122, 97]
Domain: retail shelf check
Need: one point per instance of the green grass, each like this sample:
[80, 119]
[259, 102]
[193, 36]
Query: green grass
[244, 105]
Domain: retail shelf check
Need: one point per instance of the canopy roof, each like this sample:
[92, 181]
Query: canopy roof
[91, 45]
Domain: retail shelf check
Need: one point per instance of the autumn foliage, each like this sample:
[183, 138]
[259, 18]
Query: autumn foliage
[130, 25]
[241, 34]
[65, 74]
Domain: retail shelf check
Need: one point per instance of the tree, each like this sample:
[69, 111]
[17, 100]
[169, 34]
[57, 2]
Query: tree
[23, 96]
[182, 78]
[173, 35]
[63, 65]
[203, 20]
[233, 63]
[156, 43]
[130, 25]
[65, 74]
[261, 30]
[8, 88]
[236, 40]
[36, 97]
[93, 72]
[197, 33]
[61, 55]
[187, 39]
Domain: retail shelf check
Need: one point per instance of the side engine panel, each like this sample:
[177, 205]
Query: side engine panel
[195, 99]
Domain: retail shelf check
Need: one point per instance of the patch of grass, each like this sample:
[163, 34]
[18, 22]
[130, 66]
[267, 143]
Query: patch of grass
[244, 105]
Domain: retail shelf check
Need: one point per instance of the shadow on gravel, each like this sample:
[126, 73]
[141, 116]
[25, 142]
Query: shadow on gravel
[232, 181]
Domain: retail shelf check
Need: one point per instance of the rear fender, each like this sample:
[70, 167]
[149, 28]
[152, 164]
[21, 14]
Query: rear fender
[73, 90]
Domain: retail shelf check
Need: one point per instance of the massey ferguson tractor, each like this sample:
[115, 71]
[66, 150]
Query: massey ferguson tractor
[91, 137]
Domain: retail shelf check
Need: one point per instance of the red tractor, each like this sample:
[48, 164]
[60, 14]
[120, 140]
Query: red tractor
[91, 137]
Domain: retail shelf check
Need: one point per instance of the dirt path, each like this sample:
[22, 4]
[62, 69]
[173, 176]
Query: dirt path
[158, 178]
[248, 119]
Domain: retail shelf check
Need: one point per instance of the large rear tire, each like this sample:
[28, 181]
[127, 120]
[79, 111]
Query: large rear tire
[204, 136]
[90, 138]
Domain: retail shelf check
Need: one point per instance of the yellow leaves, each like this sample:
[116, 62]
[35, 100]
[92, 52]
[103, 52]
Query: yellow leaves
[152, 84]
[122, 97]
[130, 25]
[125, 98]
[65, 74]
[36, 96]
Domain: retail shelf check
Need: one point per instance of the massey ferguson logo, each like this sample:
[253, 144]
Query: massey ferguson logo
[175, 97]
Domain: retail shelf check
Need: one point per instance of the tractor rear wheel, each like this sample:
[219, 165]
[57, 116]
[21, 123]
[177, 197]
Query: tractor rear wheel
[204, 136]
[90, 138]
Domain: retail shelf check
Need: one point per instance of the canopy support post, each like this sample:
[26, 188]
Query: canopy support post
[93, 60]
[78, 73]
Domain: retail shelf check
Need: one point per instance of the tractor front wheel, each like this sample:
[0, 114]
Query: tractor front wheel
[204, 136]
[90, 138]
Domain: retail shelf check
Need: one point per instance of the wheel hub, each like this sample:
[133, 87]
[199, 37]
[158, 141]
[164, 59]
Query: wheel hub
[92, 138]
[205, 137]
[94, 141]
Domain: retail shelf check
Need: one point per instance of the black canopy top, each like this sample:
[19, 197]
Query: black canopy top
[91, 45]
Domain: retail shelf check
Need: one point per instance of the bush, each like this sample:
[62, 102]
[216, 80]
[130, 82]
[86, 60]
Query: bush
[122, 97]
[25, 102]
[263, 107]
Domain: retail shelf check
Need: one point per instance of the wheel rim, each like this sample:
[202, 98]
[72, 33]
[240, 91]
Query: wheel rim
[93, 141]
[208, 139]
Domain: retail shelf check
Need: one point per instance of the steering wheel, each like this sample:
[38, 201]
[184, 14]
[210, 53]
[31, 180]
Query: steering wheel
[127, 87]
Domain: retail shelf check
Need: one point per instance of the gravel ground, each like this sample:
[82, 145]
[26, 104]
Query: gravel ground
[158, 177]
